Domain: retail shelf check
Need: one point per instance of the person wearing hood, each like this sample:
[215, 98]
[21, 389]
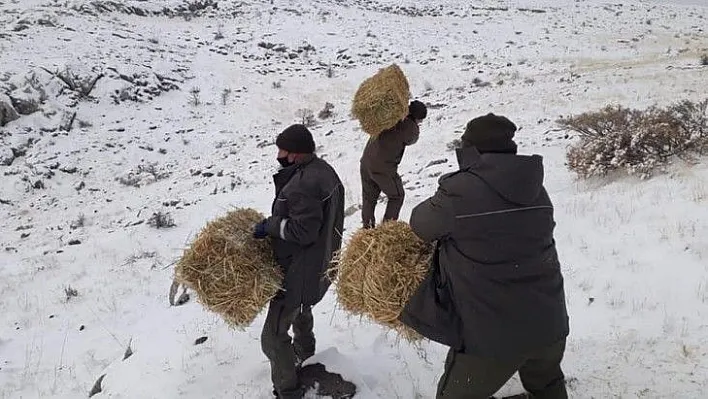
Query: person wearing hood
[306, 228]
[494, 292]
[379, 165]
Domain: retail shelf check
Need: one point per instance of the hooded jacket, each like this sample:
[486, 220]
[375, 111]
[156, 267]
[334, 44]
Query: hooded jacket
[493, 221]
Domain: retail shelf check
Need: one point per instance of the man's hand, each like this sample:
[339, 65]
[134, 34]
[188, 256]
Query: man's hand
[259, 230]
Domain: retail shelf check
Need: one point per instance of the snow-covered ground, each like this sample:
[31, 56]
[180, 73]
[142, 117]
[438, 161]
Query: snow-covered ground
[182, 118]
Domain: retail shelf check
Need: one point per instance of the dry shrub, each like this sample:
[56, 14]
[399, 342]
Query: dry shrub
[379, 270]
[635, 141]
[232, 273]
[382, 100]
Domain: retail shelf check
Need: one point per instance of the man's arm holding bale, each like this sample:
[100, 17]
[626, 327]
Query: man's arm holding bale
[434, 218]
[302, 226]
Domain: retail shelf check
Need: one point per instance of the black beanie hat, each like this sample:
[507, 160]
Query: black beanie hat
[490, 133]
[417, 110]
[296, 139]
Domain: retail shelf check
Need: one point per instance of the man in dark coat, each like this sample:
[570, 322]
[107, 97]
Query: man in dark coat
[379, 165]
[306, 229]
[498, 268]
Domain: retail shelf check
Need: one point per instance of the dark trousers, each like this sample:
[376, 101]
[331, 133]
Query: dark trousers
[372, 184]
[471, 377]
[285, 353]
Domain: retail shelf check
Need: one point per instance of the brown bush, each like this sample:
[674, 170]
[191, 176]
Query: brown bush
[636, 141]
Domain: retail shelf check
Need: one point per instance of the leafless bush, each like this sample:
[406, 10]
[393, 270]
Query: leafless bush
[225, 96]
[132, 259]
[454, 144]
[200, 5]
[277, 85]
[306, 117]
[636, 141]
[194, 99]
[70, 292]
[326, 112]
[144, 174]
[219, 33]
[704, 60]
[33, 81]
[82, 85]
[79, 222]
[161, 220]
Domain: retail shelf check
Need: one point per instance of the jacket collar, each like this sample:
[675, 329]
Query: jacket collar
[305, 159]
[283, 176]
[468, 157]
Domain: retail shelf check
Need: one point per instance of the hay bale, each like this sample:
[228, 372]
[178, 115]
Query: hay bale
[378, 272]
[382, 100]
[232, 273]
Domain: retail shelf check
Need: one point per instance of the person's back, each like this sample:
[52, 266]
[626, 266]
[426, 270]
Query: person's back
[499, 254]
[497, 268]
[383, 153]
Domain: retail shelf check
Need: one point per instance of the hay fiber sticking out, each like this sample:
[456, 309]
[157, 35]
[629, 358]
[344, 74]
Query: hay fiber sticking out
[378, 272]
[232, 273]
[382, 100]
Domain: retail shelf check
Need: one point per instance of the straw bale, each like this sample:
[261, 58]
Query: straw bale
[379, 270]
[232, 273]
[382, 100]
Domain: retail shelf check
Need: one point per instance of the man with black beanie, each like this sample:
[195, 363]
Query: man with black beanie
[306, 229]
[379, 165]
[494, 292]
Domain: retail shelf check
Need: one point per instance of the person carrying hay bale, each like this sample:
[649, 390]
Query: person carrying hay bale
[379, 165]
[306, 228]
[495, 292]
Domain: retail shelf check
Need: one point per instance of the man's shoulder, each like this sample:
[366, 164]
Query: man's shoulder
[319, 173]
[407, 125]
[458, 181]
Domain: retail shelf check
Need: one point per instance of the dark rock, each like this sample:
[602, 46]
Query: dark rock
[7, 156]
[8, 113]
[25, 106]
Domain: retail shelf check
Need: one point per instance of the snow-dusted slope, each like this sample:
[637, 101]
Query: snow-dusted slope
[181, 119]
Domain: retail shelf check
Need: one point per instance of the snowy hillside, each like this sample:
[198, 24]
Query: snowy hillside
[126, 109]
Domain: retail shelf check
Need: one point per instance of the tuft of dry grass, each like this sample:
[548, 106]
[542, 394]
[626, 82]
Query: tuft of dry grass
[378, 272]
[382, 100]
[232, 273]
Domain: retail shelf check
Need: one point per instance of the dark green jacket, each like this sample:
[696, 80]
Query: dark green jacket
[384, 152]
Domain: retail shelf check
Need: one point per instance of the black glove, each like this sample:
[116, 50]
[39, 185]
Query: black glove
[259, 230]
